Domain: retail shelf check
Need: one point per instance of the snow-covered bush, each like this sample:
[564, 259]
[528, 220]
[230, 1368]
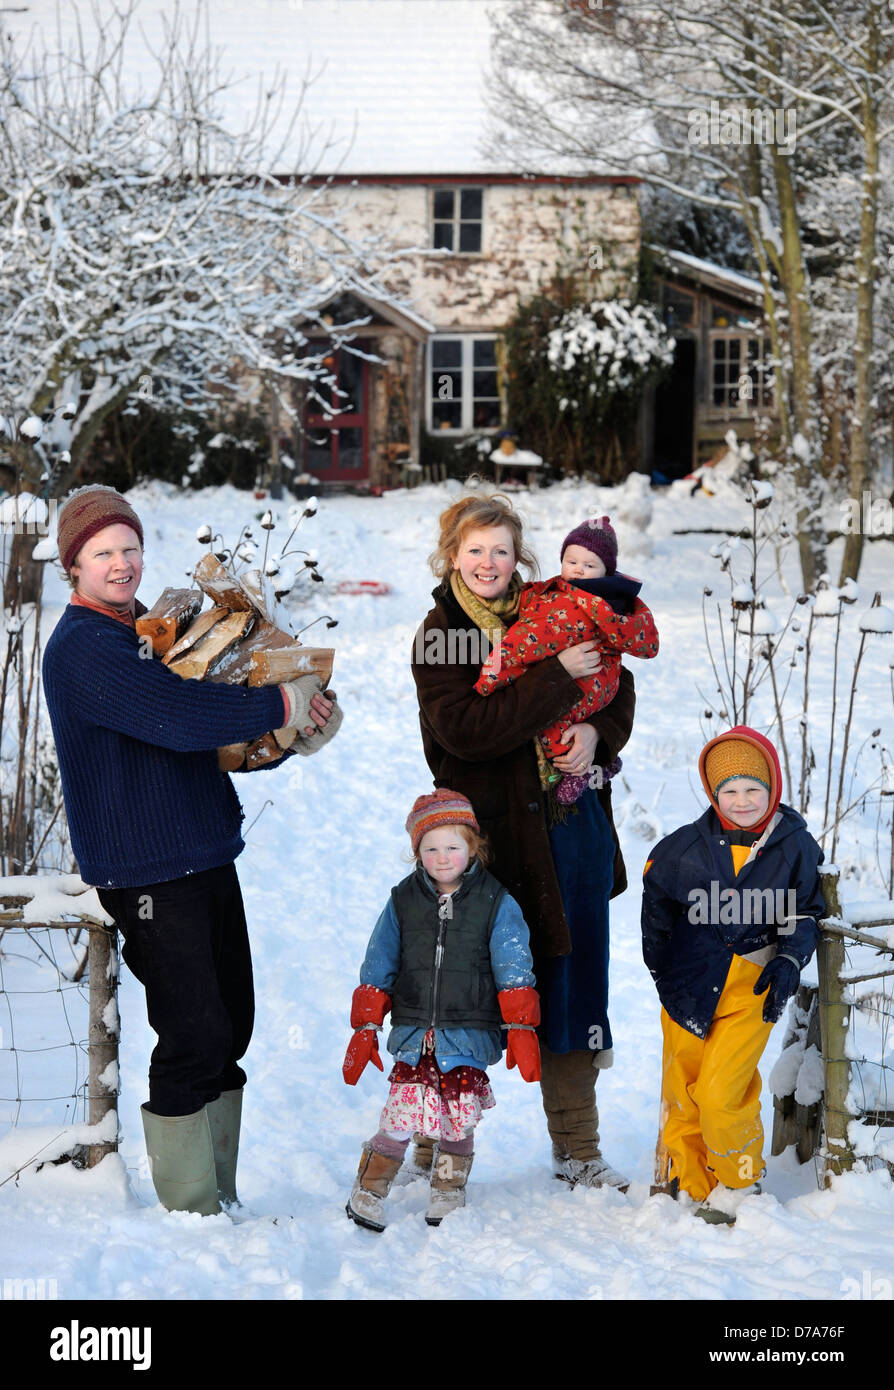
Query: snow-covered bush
[576, 370]
[603, 352]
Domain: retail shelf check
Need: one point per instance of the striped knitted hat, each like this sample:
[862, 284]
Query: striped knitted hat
[734, 757]
[87, 511]
[438, 808]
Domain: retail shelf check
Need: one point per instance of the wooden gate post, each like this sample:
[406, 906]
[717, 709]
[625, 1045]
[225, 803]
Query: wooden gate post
[834, 1018]
[102, 1035]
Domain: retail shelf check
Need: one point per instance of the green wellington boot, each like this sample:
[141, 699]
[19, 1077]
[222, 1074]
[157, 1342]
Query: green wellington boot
[225, 1118]
[181, 1160]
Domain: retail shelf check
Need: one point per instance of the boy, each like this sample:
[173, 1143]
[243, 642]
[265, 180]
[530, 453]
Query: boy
[729, 920]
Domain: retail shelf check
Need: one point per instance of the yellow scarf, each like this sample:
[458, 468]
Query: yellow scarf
[488, 616]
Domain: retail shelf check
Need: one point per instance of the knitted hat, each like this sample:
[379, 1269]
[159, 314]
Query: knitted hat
[735, 757]
[599, 537]
[87, 511]
[438, 808]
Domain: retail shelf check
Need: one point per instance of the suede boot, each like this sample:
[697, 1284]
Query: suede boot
[372, 1184]
[225, 1119]
[568, 1090]
[449, 1175]
[181, 1160]
[419, 1163]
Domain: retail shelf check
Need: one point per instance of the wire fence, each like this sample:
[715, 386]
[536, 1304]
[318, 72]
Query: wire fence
[835, 1063]
[59, 1035]
[59, 1027]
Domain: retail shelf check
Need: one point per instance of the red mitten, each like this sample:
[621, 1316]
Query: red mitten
[521, 1010]
[363, 1048]
[368, 1007]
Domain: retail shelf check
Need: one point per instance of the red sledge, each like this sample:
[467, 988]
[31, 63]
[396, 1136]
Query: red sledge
[376, 587]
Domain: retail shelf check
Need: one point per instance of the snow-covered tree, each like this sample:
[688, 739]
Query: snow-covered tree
[146, 247]
[744, 110]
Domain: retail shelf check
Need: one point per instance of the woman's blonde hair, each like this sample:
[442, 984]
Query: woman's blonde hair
[474, 513]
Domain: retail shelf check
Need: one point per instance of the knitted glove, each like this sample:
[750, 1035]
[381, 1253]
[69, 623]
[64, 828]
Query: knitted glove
[521, 1010]
[300, 692]
[779, 978]
[307, 744]
[368, 1009]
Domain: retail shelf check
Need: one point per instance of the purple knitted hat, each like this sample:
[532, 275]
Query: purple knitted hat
[596, 535]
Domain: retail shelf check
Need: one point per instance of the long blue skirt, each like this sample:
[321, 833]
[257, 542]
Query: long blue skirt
[574, 989]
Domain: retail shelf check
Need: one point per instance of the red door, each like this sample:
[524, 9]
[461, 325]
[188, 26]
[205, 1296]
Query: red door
[336, 427]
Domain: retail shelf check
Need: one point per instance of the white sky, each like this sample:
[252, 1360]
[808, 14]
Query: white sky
[411, 73]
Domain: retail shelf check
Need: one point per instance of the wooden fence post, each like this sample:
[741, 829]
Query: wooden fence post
[834, 1018]
[102, 1035]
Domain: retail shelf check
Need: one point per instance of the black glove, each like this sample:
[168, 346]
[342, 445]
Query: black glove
[779, 978]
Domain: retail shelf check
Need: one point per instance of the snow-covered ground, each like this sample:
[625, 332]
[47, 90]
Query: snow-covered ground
[325, 848]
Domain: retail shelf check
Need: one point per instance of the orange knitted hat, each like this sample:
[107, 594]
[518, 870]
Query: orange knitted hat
[735, 758]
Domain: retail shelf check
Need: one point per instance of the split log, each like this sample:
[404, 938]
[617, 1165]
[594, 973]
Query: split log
[196, 664]
[237, 665]
[282, 664]
[221, 587]
[169, 617]
[202, 624]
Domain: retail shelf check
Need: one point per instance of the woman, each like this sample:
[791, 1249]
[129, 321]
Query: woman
[562, 873]
[155, 826]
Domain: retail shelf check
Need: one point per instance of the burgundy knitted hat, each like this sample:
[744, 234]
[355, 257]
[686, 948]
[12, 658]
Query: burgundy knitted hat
[88, 511]
[596, 535]
[438, 808]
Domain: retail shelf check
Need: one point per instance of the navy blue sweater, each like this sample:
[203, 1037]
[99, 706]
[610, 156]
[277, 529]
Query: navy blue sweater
[145, 798]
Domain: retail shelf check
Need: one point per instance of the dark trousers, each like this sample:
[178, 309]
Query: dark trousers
[187, 943]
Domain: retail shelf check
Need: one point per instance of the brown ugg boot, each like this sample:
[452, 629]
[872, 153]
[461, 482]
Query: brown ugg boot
[372, 1184]
[449, 1175]
[418, 1165]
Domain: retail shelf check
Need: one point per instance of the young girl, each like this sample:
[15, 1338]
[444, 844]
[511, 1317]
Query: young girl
[449, 958]
[588, 600]
[729, 920]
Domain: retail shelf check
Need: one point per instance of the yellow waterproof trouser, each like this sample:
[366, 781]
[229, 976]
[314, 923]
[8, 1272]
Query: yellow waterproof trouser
[711, 1090]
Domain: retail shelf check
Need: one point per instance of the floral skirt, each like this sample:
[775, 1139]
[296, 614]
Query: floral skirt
[440, 1105]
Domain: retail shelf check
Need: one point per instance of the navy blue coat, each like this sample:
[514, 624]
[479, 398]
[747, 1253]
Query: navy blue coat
[691, 931]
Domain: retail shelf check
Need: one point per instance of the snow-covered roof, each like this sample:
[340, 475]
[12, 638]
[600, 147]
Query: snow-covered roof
[398, 85]
[711, 274]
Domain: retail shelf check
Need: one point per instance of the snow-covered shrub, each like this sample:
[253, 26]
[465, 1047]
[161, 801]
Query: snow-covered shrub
[576, 370]
[605, 351]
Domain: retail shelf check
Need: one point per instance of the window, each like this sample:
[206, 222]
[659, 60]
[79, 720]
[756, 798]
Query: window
[742, 380]
[457, 219]
[679, 308]
[464, 386]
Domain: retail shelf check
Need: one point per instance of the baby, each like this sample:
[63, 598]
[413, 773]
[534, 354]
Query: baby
[588, 601]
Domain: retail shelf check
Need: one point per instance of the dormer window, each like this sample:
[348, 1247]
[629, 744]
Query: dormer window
[457, 219]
